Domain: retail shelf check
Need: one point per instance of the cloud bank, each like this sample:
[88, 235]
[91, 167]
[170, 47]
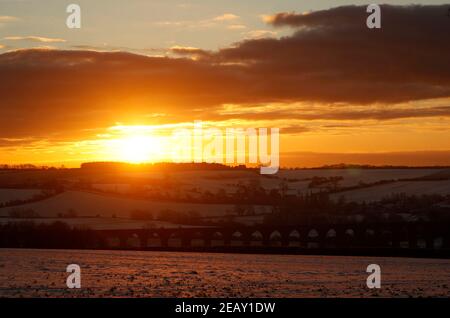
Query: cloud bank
[331, 57]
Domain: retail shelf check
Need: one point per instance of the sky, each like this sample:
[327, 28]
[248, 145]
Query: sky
[136, 70]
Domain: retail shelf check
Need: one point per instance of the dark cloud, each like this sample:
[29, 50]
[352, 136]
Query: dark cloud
[386, 113]
[5, 142]
[50, 91]
[190, 51]
[331, 57]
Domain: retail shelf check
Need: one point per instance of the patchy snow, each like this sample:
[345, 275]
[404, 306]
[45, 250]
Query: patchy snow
[41, 273]
[379, 192]
[17, 194]
[90, 204]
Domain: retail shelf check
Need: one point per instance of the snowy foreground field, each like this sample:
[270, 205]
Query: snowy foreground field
[41, 273]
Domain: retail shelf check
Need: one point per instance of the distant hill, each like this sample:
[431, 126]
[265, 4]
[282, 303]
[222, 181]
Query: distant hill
[439, 175]
[161, 166]
[358, 166]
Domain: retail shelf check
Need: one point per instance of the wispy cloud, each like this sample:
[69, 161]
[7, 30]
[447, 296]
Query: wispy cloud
[226, 17]
[259, 34]
[154, 52]
[193, 52]
[170, 23]
[5, 19]
[8, 18]
[236, 27]
[34, 39]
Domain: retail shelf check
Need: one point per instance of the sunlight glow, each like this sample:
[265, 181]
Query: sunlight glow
[136, 148]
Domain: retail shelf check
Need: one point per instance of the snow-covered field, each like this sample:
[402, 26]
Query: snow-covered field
[379, 192]
[90, 204]
[17, 194]
[297, 179]
[354, 176]
[41, 273]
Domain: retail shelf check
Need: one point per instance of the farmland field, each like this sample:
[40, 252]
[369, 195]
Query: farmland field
[42, 273]
[296, 179]
[90, 204]
[17, 194]
[379, 192]
[111, 194]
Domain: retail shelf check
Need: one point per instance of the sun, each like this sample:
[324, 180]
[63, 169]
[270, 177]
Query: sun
[138, 149]
[134, 144]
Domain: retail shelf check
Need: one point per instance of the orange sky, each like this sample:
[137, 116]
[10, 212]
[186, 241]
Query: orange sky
[333, 99]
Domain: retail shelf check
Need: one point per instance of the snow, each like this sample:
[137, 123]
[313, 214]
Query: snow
[41, 273]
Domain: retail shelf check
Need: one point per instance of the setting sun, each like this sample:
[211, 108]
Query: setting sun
[136, 149]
